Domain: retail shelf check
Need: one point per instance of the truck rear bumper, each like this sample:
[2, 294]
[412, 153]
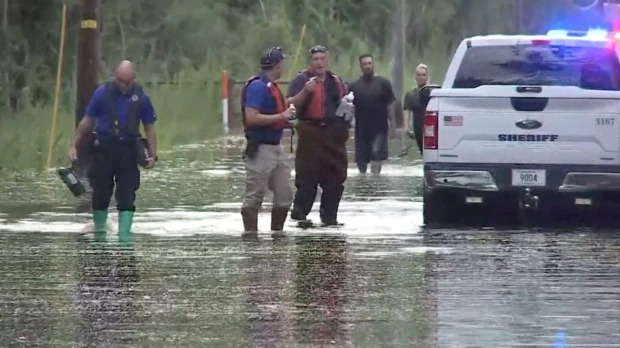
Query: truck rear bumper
[483, 177]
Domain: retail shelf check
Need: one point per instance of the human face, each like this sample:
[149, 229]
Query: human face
[421, 77]
[124, 84]
[319, 60]
[278, 70]
[367, 66]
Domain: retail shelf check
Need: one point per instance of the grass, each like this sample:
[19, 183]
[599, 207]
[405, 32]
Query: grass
[188, 110]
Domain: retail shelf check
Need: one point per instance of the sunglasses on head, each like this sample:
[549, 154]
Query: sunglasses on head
[318, 49]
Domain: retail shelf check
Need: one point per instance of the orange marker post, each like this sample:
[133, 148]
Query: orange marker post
[225, 90]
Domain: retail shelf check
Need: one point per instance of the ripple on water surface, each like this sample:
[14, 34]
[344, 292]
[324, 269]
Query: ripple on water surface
[381, 280]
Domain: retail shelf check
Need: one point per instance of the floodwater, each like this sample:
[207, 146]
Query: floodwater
[188, 279]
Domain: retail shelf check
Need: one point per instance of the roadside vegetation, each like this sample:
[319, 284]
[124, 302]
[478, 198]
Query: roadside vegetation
[181, 47]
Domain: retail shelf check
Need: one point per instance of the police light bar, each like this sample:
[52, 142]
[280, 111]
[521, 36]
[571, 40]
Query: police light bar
[594, 34]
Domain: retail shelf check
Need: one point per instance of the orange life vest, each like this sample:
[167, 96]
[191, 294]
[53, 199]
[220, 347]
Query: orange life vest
[316, 107]
[277, 95]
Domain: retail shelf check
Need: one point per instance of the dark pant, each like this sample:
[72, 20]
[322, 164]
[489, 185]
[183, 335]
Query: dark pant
[418, 129]
[321, 159]
[114, 164]
[370, 146]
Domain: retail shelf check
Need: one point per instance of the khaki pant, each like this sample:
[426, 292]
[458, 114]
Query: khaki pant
[269, 169]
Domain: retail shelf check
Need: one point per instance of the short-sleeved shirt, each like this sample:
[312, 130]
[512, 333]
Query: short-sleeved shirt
[258, 96]
[412, 102]
[99, 108]
[372, 97]
[325, 99]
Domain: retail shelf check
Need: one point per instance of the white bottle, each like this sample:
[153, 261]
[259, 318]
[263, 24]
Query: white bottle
[293, 119]
[345, 108]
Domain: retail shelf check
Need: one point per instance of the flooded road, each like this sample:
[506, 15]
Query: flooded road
[189, 280]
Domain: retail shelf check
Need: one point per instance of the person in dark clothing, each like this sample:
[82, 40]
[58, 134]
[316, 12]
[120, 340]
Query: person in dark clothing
[117, 106]
[373, 98]
[321, 156]
[416, 106]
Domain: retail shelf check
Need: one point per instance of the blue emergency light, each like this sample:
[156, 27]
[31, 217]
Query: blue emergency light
[594, 34]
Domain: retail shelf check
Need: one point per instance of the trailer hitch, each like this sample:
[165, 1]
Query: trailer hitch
[528, 201]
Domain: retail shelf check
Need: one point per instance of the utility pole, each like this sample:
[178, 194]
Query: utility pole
[398, 53]
[89, 55]
[88, 58]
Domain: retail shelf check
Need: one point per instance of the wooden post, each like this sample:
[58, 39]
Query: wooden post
[88, 59]
[88, 55]
[398, 57]
[61, 51]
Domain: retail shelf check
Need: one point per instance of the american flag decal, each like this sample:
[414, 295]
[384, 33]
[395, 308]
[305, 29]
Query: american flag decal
[454, 121]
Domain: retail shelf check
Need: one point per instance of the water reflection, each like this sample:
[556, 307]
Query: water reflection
[105, 295]
[267, 269]
[524, 286]
[321, 290]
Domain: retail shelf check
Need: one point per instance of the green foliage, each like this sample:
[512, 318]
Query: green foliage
[24, 139]
[189, 42]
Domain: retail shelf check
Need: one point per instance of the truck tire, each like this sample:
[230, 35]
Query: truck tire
[440, 209]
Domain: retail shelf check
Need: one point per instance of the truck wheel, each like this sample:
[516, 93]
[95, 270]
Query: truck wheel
[440, 209]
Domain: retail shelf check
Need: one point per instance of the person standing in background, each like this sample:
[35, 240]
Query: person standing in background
[373, 98]
[414, 105]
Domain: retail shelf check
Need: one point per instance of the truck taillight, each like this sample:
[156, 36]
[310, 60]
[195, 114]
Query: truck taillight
[431, 130]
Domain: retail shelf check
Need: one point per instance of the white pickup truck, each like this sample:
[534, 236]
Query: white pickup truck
[525, 122]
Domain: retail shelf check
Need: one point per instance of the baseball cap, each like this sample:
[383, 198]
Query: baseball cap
[271, 57]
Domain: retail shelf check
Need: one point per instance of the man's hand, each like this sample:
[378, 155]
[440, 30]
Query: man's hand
[310, 85]
[73, 153]
[289, 114]
[150, 163]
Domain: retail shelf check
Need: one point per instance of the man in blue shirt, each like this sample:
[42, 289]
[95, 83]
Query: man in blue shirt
[116, 109]
[265, 116]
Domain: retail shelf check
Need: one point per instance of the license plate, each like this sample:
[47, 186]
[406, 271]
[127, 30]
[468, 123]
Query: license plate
[528, 177]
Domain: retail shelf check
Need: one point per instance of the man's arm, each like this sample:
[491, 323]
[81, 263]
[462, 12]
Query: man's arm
[254, 96]
[94, 110]
[149, 118]
[297, 94]
[84, 127]
[390, 99]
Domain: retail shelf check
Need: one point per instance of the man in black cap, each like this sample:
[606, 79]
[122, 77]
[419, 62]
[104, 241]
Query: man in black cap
[265, 115]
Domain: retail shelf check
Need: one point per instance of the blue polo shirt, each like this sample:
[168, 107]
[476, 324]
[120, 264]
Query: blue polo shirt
[98, 109]
[259, 97]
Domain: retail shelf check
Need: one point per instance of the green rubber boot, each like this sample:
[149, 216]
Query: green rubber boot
[100, 218]
[125, 221]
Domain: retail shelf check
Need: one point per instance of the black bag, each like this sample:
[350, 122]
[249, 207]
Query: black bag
[251, 149]
[71, 180]
[142, 149]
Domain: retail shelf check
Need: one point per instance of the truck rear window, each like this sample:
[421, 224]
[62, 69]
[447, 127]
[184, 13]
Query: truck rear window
[539, 65]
